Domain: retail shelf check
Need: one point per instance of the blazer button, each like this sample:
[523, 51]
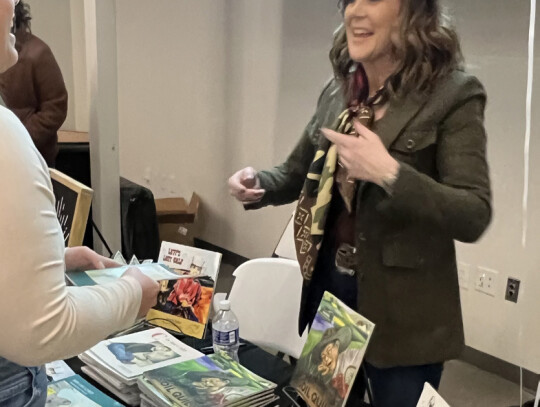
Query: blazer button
[410, 144]
[362, 237]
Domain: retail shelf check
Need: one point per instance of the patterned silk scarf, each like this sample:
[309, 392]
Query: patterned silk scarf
[316, 196]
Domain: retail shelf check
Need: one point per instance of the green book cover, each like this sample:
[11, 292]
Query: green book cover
[332, 355]
[74, 391]
[210, 381]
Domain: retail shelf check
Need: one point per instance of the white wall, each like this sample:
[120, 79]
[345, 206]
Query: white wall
[498, 56]
[203, 93]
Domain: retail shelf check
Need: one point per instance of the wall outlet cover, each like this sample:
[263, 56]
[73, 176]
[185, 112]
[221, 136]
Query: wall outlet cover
[486, 281]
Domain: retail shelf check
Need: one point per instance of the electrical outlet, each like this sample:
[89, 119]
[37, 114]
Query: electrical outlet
[486, 281]
[512, 289]
[464, 272]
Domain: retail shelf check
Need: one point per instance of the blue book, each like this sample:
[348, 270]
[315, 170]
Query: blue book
[156, 272]
[74, 391]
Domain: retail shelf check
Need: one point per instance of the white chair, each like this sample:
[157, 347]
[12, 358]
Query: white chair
[285, 247]
[266, 299]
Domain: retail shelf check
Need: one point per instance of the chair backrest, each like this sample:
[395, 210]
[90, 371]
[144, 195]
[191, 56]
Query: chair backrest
[266, 299]
[285, 247]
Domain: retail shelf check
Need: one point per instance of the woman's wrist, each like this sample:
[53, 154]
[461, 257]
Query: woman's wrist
[389, 175]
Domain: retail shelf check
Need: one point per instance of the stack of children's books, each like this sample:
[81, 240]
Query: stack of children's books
[117, 363]
[209, 381]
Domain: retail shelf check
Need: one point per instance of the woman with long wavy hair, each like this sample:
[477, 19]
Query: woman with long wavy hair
[390, 171]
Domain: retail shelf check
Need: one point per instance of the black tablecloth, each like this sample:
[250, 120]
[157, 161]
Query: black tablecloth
[252, 357]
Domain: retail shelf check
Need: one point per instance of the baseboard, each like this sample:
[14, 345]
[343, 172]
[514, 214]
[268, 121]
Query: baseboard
[228, 257]
[501, 368]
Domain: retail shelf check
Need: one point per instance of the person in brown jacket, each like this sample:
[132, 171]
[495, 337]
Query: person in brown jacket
[34, 88]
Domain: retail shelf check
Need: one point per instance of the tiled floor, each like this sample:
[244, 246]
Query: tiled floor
[463, 385]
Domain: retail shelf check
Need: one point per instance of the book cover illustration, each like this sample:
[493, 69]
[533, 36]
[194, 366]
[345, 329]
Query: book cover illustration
[132, 355]
[184, 305]
[430, 398]
[209, 381]
[332, 355]
[74, 391]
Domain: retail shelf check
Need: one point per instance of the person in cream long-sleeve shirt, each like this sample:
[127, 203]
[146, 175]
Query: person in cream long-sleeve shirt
[41, 318]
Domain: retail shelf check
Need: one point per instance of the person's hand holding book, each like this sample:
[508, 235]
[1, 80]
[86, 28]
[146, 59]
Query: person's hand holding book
[150, 290]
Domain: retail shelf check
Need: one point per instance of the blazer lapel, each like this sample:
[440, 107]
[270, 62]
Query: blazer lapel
[400, 112]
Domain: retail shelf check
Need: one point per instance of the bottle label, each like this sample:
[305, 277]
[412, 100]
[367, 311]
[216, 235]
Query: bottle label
[225, 338]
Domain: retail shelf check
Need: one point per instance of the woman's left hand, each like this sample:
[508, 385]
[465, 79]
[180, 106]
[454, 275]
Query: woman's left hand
[365, 157]
[84, 258]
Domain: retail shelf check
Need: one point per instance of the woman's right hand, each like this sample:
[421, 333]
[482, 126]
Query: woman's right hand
[245, 186]
[150, 290]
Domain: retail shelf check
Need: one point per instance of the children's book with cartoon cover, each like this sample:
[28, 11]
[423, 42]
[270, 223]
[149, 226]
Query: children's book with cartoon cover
[430, 398]
[184, 305]
[210, 381]
[332, 355]
[131, 355]
[74, 391]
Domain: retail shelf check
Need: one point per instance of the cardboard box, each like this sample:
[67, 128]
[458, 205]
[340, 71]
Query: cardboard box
[177, 220]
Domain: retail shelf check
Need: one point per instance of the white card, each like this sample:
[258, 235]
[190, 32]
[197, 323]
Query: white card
[430, 398]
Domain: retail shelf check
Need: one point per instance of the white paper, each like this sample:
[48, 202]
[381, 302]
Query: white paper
[190, 260]
[430, 398]
[58, 370]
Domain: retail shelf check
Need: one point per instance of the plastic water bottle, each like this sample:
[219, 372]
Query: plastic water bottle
[225, 331]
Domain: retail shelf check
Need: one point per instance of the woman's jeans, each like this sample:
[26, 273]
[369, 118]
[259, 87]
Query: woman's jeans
[395, 387]
[27, 387]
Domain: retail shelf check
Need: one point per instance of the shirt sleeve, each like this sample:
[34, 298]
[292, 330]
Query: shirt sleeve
[42, 319]
[284, 182]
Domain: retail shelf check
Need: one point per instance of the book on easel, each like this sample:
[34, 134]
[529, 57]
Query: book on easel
[184, 305]
[332, 355]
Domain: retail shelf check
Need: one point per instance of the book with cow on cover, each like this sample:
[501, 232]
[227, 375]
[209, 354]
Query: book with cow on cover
[184, 305]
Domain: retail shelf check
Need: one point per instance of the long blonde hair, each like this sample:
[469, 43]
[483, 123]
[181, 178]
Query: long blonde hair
[428, 48]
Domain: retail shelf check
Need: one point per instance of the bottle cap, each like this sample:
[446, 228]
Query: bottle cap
[225, 305]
